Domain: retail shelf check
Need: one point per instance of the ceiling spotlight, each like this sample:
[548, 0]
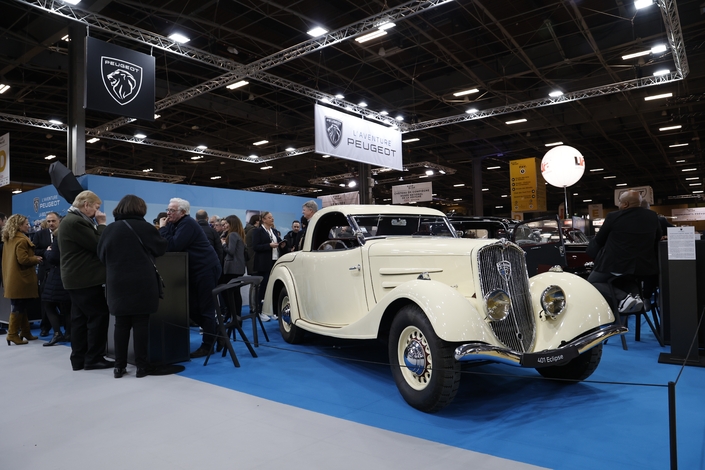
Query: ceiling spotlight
[383, 113]
[661, 72]
[197, 157]
[669, 128]
[362, 104]
[268, 167]
[370, 36]
[597, 169]
[639, 4]
[553, 144]
[180, 38]
[66, 38]
[325, 156]
[677, 145]
[407, 141]
[458, 199]
[587, 200]
[239, 84]
[658, 49]
[342, 185]
[471, 111]
[459, 185]
[317, 31]
[657, 97]
[555, 94]
[157, 116]
[340, 96]
[290, 149]
[93, 140]
[429, 172]
[147, 170]
[352, 184]
[232, 50]
[621, 184]
[50, 157]
[4, 88]
[16, 191]
[689, 169]
[260, 142]
[216, 177]
[56, 122]
[72, 2]
[253, 157]
[466, 92]
[399, 118]
[494, 167]
[140, 136]
[516, 121]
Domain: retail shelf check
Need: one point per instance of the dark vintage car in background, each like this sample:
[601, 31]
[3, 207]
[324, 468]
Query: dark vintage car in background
[544, 240]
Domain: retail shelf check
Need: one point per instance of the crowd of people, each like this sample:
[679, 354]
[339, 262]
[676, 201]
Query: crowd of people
[81, 271]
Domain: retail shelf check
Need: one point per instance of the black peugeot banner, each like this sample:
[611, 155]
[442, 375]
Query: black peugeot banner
[119, 80]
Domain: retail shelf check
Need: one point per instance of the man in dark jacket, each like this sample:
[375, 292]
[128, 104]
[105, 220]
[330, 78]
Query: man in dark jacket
[627, 243]
[211, 234]
[184, 234]
[83, 275]
[43, 240]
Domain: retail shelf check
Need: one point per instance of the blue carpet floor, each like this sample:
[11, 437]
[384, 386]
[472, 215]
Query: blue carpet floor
[618, 419]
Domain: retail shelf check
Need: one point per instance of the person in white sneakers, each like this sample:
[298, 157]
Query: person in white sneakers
[626, 244]
[266, 242]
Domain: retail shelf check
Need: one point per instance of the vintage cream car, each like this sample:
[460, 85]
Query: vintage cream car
[400, 273]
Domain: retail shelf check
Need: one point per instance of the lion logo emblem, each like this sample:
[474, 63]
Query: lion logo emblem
[334, 131]
[122, 80]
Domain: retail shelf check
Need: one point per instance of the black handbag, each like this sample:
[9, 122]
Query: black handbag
[160, 281]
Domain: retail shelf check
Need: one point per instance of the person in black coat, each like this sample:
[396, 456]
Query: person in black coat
[128, 247]
[265, 242]
[211, 234]
[42, 241]
[627, 243]
[184, 234]
[56, 302]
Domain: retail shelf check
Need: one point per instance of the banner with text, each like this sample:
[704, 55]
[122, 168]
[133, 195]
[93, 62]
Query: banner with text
[119, 80]
[345, 136]
[352, 197]
[5, 160]
[406, 193]
[528, 185]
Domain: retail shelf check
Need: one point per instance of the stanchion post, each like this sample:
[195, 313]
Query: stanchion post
[672, 424]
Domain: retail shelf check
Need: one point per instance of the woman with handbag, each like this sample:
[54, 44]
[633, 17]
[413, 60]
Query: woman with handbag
[128, 247]
[19, 276]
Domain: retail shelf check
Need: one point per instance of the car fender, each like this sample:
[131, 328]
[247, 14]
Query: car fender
[453, 316]
[280, 277]
[585, 309]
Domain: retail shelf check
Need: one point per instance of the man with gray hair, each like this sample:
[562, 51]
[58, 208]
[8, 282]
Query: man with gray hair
[184, 234]
[307, 210]
[627, 243]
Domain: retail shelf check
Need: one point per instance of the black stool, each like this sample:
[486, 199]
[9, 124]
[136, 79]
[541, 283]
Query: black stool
[622, 318]
[235, 324]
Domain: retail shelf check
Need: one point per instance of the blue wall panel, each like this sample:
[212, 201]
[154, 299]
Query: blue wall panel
[36, 203]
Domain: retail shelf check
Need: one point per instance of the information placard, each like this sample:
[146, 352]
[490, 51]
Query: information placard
[681, 243]
[528, 186]
[406, 193]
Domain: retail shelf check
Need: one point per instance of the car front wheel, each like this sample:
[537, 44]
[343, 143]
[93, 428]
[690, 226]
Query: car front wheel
[290, 332]
[578, 369]
[424, 369]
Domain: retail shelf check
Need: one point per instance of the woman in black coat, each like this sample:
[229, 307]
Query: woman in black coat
[128, 247]
[56, 299]
[266, 240]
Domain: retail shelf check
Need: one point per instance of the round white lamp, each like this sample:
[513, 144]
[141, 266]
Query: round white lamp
[563, 166]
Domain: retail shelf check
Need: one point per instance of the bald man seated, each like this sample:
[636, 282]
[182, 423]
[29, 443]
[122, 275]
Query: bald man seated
[626, 244]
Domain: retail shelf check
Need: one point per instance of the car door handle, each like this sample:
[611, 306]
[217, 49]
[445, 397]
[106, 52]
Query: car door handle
[353, 268]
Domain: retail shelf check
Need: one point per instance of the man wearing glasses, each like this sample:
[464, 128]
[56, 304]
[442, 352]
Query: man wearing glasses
[184, 234]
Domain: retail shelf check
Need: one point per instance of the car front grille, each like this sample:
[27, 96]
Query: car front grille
[502, 265]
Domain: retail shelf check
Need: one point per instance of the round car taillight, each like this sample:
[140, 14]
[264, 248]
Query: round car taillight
[553, 301]
[497, 304]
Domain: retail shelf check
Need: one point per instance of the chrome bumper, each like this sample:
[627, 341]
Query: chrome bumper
[487, 352]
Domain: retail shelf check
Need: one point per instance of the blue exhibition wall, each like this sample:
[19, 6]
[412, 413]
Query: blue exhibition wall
[222, 202]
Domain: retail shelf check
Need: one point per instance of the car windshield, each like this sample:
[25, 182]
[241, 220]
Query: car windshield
[537, 232]
[403, 225]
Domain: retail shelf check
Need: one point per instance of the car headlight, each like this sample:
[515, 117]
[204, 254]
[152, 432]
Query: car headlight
[553, 301]
[497, 304]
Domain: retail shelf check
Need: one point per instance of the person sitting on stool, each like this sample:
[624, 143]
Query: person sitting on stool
[627, 243]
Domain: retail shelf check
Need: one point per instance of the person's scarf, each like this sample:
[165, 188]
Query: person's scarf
[76, 210]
